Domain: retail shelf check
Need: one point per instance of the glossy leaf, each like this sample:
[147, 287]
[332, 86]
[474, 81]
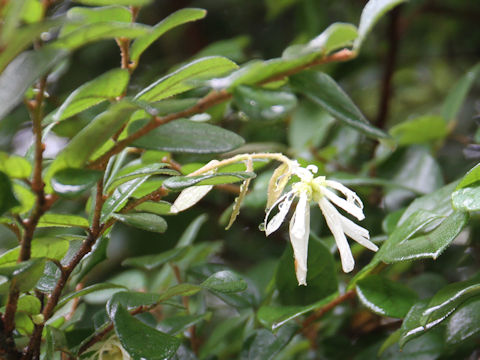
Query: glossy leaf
[467, 199]
[150, 262]
[143, 221]
[96, 256]
[87, 290]
[182, 182]
[430, 245]
[448, 299]
[71, 182]
[456, 96]
[130, 300]
[132, 172]
[385, 297]
[7, 197]
[321, 276]
[62, 220]
[107, 86]
[186, 77]
[155, 207]
[22, 72]
[263, 104]
[323, 90]
[225, 282]
[141, 340]
[371, 14]
[179, 290]
[411, 327]
[26, 274]
[178, 324]
[464, 323]
[335, 37]
[90, 138]
[471, 177]
[420, 130]
[179, 17]
[185, 136]
[53, 248]
[264, 345]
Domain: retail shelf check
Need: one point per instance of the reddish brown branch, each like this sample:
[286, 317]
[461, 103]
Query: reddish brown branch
[325, 309]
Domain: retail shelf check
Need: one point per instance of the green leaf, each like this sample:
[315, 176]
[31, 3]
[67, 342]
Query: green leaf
[182, 182]
[372, 12]
[99, 31]
[89, 139]
[179, 17]
[79, 16]
[385, 297]
[87, 290]
[72, 182]
[107, 86]
[464, 323]
[456, 96]
[186, 78]
[160, 207]
[430, 245]
[411, 327]
[150, 262]
[52, 248]
[140, 170]
[114, 2]
[22, 72]
[15, 166]
[96, 256]
[420, 130]
[263, 104]
[186, 136]
[25, 274]
[225, 282]
[177, 324]
[7, 197]
[130, 300]
[264, 345]
[467, 199]
[62, 220]
[179, 290]
[142, 341]
[448, 299]
[470, 177]
[191, 232]
[143, 221]
[321, 276]
[273, 317]
[323, 90]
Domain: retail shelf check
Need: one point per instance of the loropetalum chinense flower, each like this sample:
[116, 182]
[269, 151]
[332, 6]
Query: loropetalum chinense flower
[323, 192]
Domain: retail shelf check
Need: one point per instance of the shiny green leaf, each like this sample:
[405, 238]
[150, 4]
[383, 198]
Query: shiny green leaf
[186, 78]
[179, 17]
[186, 136]
[179, 290]
[143, 221]
[264, 345]
[87, 290]
[467, 199]
[182, 182]
[471, 177]
[464, 322]
[385, 297]
[53, 248]
[177, 324]
[323, 90]
[420, 130]
[225, 282]
[130, 300]
[160, 207]
[62, 220]
[72, 182]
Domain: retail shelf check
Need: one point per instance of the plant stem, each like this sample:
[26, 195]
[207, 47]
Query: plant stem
[325, 309]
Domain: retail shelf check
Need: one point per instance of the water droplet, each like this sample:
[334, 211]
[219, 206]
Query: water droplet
[261, 227]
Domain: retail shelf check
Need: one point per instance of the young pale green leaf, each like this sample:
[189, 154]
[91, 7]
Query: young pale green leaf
[87, 290]
[187, 136]
[22, 72]
[420, 130]
[186, 78]
[143, 221]
[99, 31]
[182, 182]
[263, 104]
[26, 273]
[470, 177]
[464, 323]
[141, 340]
[52, 248]
[12, 15]
[323, 90]
[114, 2]
[80, 15]
[62, 220]
[179, 17]
[321, 276]
[372, 12]
[15, 166]
[448, 299]
[160, 207]
[150, 262]
[225, 282]
[273, 317]
[7, 197]
[90, 138]
[458, 93]
[72, 182]
[430, 245]
[385, 297]
[179, 290]
[467, 199]
[105, 87]
[264, 345]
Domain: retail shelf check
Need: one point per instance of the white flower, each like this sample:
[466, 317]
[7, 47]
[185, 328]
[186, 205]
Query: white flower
[318, 190]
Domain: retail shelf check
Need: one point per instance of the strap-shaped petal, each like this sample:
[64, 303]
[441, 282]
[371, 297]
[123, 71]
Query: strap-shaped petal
[349, 194]
[332, 217]
[284, 203]
[349, 206]
[299, 234]
[357, 233]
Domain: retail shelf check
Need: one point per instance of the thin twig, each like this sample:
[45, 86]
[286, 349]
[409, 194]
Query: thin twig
[325, 309]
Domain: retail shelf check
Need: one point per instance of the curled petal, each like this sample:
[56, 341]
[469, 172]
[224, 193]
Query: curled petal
[299, 234]
[333, 219]
[349, 206]
[351, 196]
[357, 233]
[284, 203]
[189, 197]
